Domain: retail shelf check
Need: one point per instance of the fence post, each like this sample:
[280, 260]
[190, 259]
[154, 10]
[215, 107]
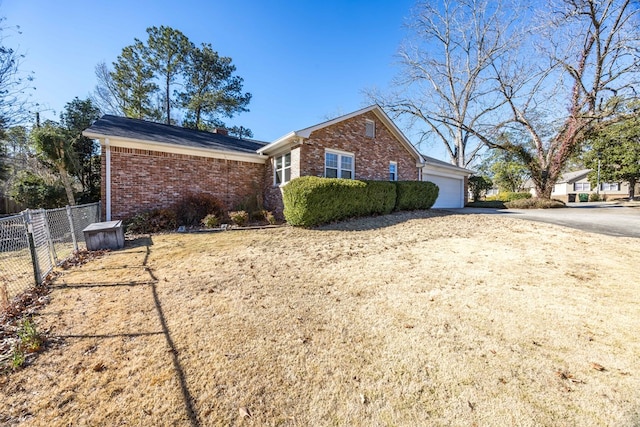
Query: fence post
[32, 248]
[73, 229]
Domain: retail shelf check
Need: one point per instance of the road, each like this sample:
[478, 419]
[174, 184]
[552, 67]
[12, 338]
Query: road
[608, 218]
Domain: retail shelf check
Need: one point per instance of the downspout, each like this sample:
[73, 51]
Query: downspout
[107, 149]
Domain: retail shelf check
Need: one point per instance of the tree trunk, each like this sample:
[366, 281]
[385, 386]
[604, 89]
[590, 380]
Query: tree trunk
[168, 100]
[632, 189]
[67, 184]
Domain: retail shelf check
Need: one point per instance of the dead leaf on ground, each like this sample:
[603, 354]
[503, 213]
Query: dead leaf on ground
[244, 412]
[597, 366]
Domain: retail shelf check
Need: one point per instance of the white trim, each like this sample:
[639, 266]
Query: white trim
[371, 123]
[340, 155]
[396, 170]
[380, 114]
[344, 153]
[107, 148]
[274, 159]
[138, 144]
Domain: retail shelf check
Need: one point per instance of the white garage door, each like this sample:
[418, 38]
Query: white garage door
[450, 195]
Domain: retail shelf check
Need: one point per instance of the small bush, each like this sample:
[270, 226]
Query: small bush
[415, 195]
[239, 218]
[270, 217]
[30, 339]
[152, 221]
[583, 197]
[508, 196]
[595, 197]
[535, 203]
[194, 207]
[210, 221]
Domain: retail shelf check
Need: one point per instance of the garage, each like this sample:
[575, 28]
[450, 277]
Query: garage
[450, 181]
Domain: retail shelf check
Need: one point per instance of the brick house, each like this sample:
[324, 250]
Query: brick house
[149, 165]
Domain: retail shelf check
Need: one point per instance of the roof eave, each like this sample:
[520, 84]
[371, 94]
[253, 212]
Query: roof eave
[278, 143]
[166, 147]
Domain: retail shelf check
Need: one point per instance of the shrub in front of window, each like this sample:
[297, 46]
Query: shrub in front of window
[413, 195]
[310, 201]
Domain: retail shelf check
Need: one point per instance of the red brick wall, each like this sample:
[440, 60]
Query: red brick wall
[143, 180]
[372, 155]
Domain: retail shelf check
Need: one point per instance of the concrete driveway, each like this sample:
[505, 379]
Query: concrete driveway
[613, 219]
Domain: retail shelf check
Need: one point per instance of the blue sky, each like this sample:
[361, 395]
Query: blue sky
[303, 61]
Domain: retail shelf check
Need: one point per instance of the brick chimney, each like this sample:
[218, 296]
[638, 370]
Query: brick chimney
[221, 131]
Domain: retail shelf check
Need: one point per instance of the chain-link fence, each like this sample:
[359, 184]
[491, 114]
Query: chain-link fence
[33, 241]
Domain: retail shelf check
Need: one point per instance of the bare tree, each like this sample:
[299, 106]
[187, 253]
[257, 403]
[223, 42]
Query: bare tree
[444, 85]
[105, 95]
[544, 77]
[559, 85]
[14, 84]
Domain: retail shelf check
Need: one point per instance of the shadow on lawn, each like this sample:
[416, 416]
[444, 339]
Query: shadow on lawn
[382, 221]
[186, 395]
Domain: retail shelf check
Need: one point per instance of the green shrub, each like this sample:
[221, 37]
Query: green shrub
[479, 184]
[152, 221]
[33, 192]
[535, 203]
[381, 197]
[583, 197]
[210, 221]
[310, 200]
[194, 207]
[595, 197]
[239, 218]
[508, 196]
[413, 195]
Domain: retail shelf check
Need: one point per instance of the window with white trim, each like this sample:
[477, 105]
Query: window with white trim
[393, 171]
[610, 186]
[338, 165]
[282, 169]
[370, 129]
[581, 186]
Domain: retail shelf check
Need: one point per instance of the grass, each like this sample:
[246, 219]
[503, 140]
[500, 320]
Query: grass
[406, 319]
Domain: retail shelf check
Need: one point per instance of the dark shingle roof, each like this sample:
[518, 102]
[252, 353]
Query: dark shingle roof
[114, 126]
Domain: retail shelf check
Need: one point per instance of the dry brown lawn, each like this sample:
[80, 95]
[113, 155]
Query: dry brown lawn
[405, 320]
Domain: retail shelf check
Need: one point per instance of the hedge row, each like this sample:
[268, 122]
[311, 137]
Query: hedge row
[310, 201]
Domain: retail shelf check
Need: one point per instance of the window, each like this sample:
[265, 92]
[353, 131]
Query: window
[393, 171]
[582, 186]
[338, 165]
[610, 186]
[370, 129]
[282, 170]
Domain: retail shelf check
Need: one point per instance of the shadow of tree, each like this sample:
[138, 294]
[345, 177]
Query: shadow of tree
[381, 221]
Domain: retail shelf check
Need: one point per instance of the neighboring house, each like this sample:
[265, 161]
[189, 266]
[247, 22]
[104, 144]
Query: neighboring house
[572, 183]
[149, 165]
